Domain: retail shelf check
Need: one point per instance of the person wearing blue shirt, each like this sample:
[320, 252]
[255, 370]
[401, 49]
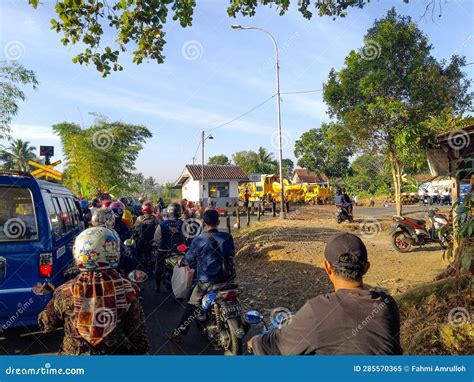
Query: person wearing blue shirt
[211, 255]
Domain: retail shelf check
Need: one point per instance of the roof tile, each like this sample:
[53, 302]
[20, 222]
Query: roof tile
[217, 172]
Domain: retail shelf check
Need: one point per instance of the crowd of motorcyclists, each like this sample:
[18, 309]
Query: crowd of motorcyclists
[100, 308]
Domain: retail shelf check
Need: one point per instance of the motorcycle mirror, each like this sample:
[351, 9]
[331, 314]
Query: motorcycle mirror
[182, 248]
[43, 289]
[138, 276]
[283, 318]
[129, 242]
[253, 317]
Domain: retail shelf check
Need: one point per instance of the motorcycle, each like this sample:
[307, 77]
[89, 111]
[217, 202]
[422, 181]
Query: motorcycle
[220, 318]
[342, 214]
[254, 317]
[408, 232]
[220, 313]
[171, 260]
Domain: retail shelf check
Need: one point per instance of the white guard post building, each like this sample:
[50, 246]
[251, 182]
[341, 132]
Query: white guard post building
[221, 183]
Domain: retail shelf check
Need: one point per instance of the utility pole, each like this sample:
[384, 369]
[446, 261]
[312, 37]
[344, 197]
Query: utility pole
[202, 168]
[280, 149]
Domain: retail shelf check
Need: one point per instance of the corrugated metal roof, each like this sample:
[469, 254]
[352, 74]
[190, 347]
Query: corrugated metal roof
[217, 172]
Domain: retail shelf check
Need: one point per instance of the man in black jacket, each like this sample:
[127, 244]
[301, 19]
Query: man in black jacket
[351, 320]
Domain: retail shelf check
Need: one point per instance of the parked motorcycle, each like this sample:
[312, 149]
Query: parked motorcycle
[221, 318]
[342, 213]
[408, 232]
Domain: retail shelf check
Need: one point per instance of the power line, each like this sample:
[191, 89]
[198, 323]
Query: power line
[197, 148]
[250, 111]
[241, 115]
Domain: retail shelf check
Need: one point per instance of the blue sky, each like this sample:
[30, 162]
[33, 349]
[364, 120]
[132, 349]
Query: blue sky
[229, 73]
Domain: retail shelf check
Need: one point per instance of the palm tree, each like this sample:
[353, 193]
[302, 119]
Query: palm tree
[17, 155]
[265, 162]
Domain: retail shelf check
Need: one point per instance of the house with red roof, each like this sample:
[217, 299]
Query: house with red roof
[302, 175]
[217, 183]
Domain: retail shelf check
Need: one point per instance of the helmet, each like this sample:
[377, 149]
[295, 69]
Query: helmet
[105, 196]
[118, 208]
[147, 207]
[125, 200]
[96, 248]
[84, 204]
[103, 217]
[95, 202]
[174, 209]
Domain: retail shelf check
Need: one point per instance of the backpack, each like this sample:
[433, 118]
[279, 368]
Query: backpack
[145, 231]
[172, 234]
[228, 270]
[176, 236]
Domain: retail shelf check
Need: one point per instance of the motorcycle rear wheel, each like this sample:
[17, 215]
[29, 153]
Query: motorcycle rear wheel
[400, 243]
[235, 345]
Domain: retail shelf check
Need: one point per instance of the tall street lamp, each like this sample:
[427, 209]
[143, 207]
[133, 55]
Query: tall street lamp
[280, 150]
[203, 139]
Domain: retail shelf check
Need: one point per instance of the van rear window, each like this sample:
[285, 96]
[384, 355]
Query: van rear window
[17, 215]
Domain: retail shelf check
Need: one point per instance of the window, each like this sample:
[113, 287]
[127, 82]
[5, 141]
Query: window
[56, 224]
[74, 213]
[219, 190]
[66, 215]
[17, 215]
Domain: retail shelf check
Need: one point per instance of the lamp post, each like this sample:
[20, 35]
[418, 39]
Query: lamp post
[280, 150]
[203, 139]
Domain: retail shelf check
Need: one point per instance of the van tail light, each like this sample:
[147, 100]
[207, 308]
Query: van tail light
[46, 264]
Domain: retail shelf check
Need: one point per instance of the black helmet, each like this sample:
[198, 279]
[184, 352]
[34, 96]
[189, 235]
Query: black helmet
[174, 209]
[95, 202]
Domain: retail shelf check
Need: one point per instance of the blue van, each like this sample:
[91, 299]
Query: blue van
[39, 221]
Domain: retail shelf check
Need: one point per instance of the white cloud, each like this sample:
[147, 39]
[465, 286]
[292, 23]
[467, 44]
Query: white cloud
[307, 105]
[164, 110]
[33, 132]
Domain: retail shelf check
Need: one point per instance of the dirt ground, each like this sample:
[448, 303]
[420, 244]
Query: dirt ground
[279, 263]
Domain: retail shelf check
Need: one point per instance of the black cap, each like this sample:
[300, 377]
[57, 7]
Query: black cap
[345, 244]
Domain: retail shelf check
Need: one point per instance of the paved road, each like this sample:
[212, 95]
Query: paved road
[162, 313]
[388, 211]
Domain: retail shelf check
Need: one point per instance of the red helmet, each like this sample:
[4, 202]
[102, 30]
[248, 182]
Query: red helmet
[147, 207]
[105, 203]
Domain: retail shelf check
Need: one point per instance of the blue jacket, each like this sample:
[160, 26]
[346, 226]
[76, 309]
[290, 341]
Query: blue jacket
[207, 261]
[341, 200]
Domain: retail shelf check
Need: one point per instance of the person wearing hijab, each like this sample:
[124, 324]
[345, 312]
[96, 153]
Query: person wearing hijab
[99, 309]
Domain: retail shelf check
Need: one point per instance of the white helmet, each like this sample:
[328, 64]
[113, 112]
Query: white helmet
[103, 217]
[97, 248]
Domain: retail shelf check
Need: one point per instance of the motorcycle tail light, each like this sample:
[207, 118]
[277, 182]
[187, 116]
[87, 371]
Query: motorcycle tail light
[46, 264]
[230, 295]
